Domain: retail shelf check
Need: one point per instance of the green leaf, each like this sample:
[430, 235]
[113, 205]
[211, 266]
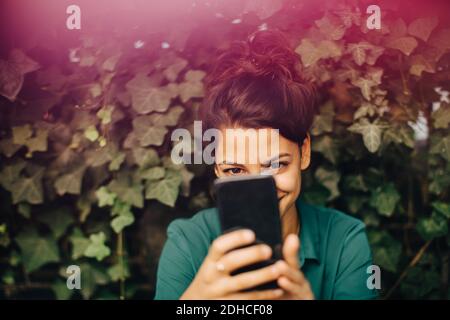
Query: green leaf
[154, 173]
[11, 80]
[167, 119]
[22, 62]
[442, 208]
[422, 27]
[404, 44]
[146, 97]
[441, 146]
[91, 277]
[28, 189]
[385, 199]
[22, 134]
[58, 220]
[128, 191]
[329, 179]
[166, 190]
[36, 250]
[371, 133]
[386, 250]
[118, 272]
[24, 209]
[91, 133]
[441, 116]
[105, 197]
[148, 133]
[104, 114]
[11, 173]
[71, 182]
[60, 290]
[115, 163]
[145, 157]
[326, 146]
[121, 221]
[172, 71]
[358, 51]
[433, 227]
[324, 121]
[79, 243]
[97, 248]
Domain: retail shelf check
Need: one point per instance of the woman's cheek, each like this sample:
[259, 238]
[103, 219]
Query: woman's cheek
[287, 182]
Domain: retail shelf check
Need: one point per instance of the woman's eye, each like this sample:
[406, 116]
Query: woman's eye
[233, 171]
[278, 165]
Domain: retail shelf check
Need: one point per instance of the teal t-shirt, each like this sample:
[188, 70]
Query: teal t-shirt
[334, 253]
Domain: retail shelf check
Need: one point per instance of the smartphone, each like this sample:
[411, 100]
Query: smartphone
[251, 202]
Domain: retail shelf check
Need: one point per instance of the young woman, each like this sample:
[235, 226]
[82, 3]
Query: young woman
[256, 84]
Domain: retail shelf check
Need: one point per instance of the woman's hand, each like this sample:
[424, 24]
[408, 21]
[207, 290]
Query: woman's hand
[292, 280]
[213, 279]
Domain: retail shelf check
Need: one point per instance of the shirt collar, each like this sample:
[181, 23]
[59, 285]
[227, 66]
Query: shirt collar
[309, 233]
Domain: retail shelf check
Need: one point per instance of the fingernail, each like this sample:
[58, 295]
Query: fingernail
[249, 235]
[278, 292]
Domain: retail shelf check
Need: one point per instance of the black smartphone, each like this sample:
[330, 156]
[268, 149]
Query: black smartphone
[251, 202]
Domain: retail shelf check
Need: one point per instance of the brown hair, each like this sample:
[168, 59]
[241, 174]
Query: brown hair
[257, 83]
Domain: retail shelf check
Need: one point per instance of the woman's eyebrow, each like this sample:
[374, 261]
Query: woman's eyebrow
[281, 155]
[231, 163]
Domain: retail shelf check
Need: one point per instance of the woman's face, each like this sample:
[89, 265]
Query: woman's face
[236, 156]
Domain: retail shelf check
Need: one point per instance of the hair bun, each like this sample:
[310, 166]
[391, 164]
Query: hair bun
[264, 53]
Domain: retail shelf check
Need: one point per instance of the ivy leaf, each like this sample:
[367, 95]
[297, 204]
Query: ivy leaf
[97, 248]
[145, 97]
[441, 39]
[92, 276]
[385, 199]
[21, 134]
[421, 28]
[442, 208]
[119, 272]
[60, 290]
[145, 157]
[371, 133]
[329, 179]
[326, 146]
[127, 191]
[192, 87]
[358, 51]
[148, 133]
[331, 27]
[70, 183]
[8, 148]
[419, 64]
[105, 197]
[79, 243]
[29, 189]
[386, 250]
[36, 250]
[441, 147]
[404, 44]
[154, 173]
[22, 62]
[24, 209]
[323, 122]
[172, 71]
[58, 220]
[168, 119]
[166, 190]
[122, 220]
[433, 227]
[91, 133]
[104, 114]
[11, 80]
[11, 173]
[311, 54]
[441, 116]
